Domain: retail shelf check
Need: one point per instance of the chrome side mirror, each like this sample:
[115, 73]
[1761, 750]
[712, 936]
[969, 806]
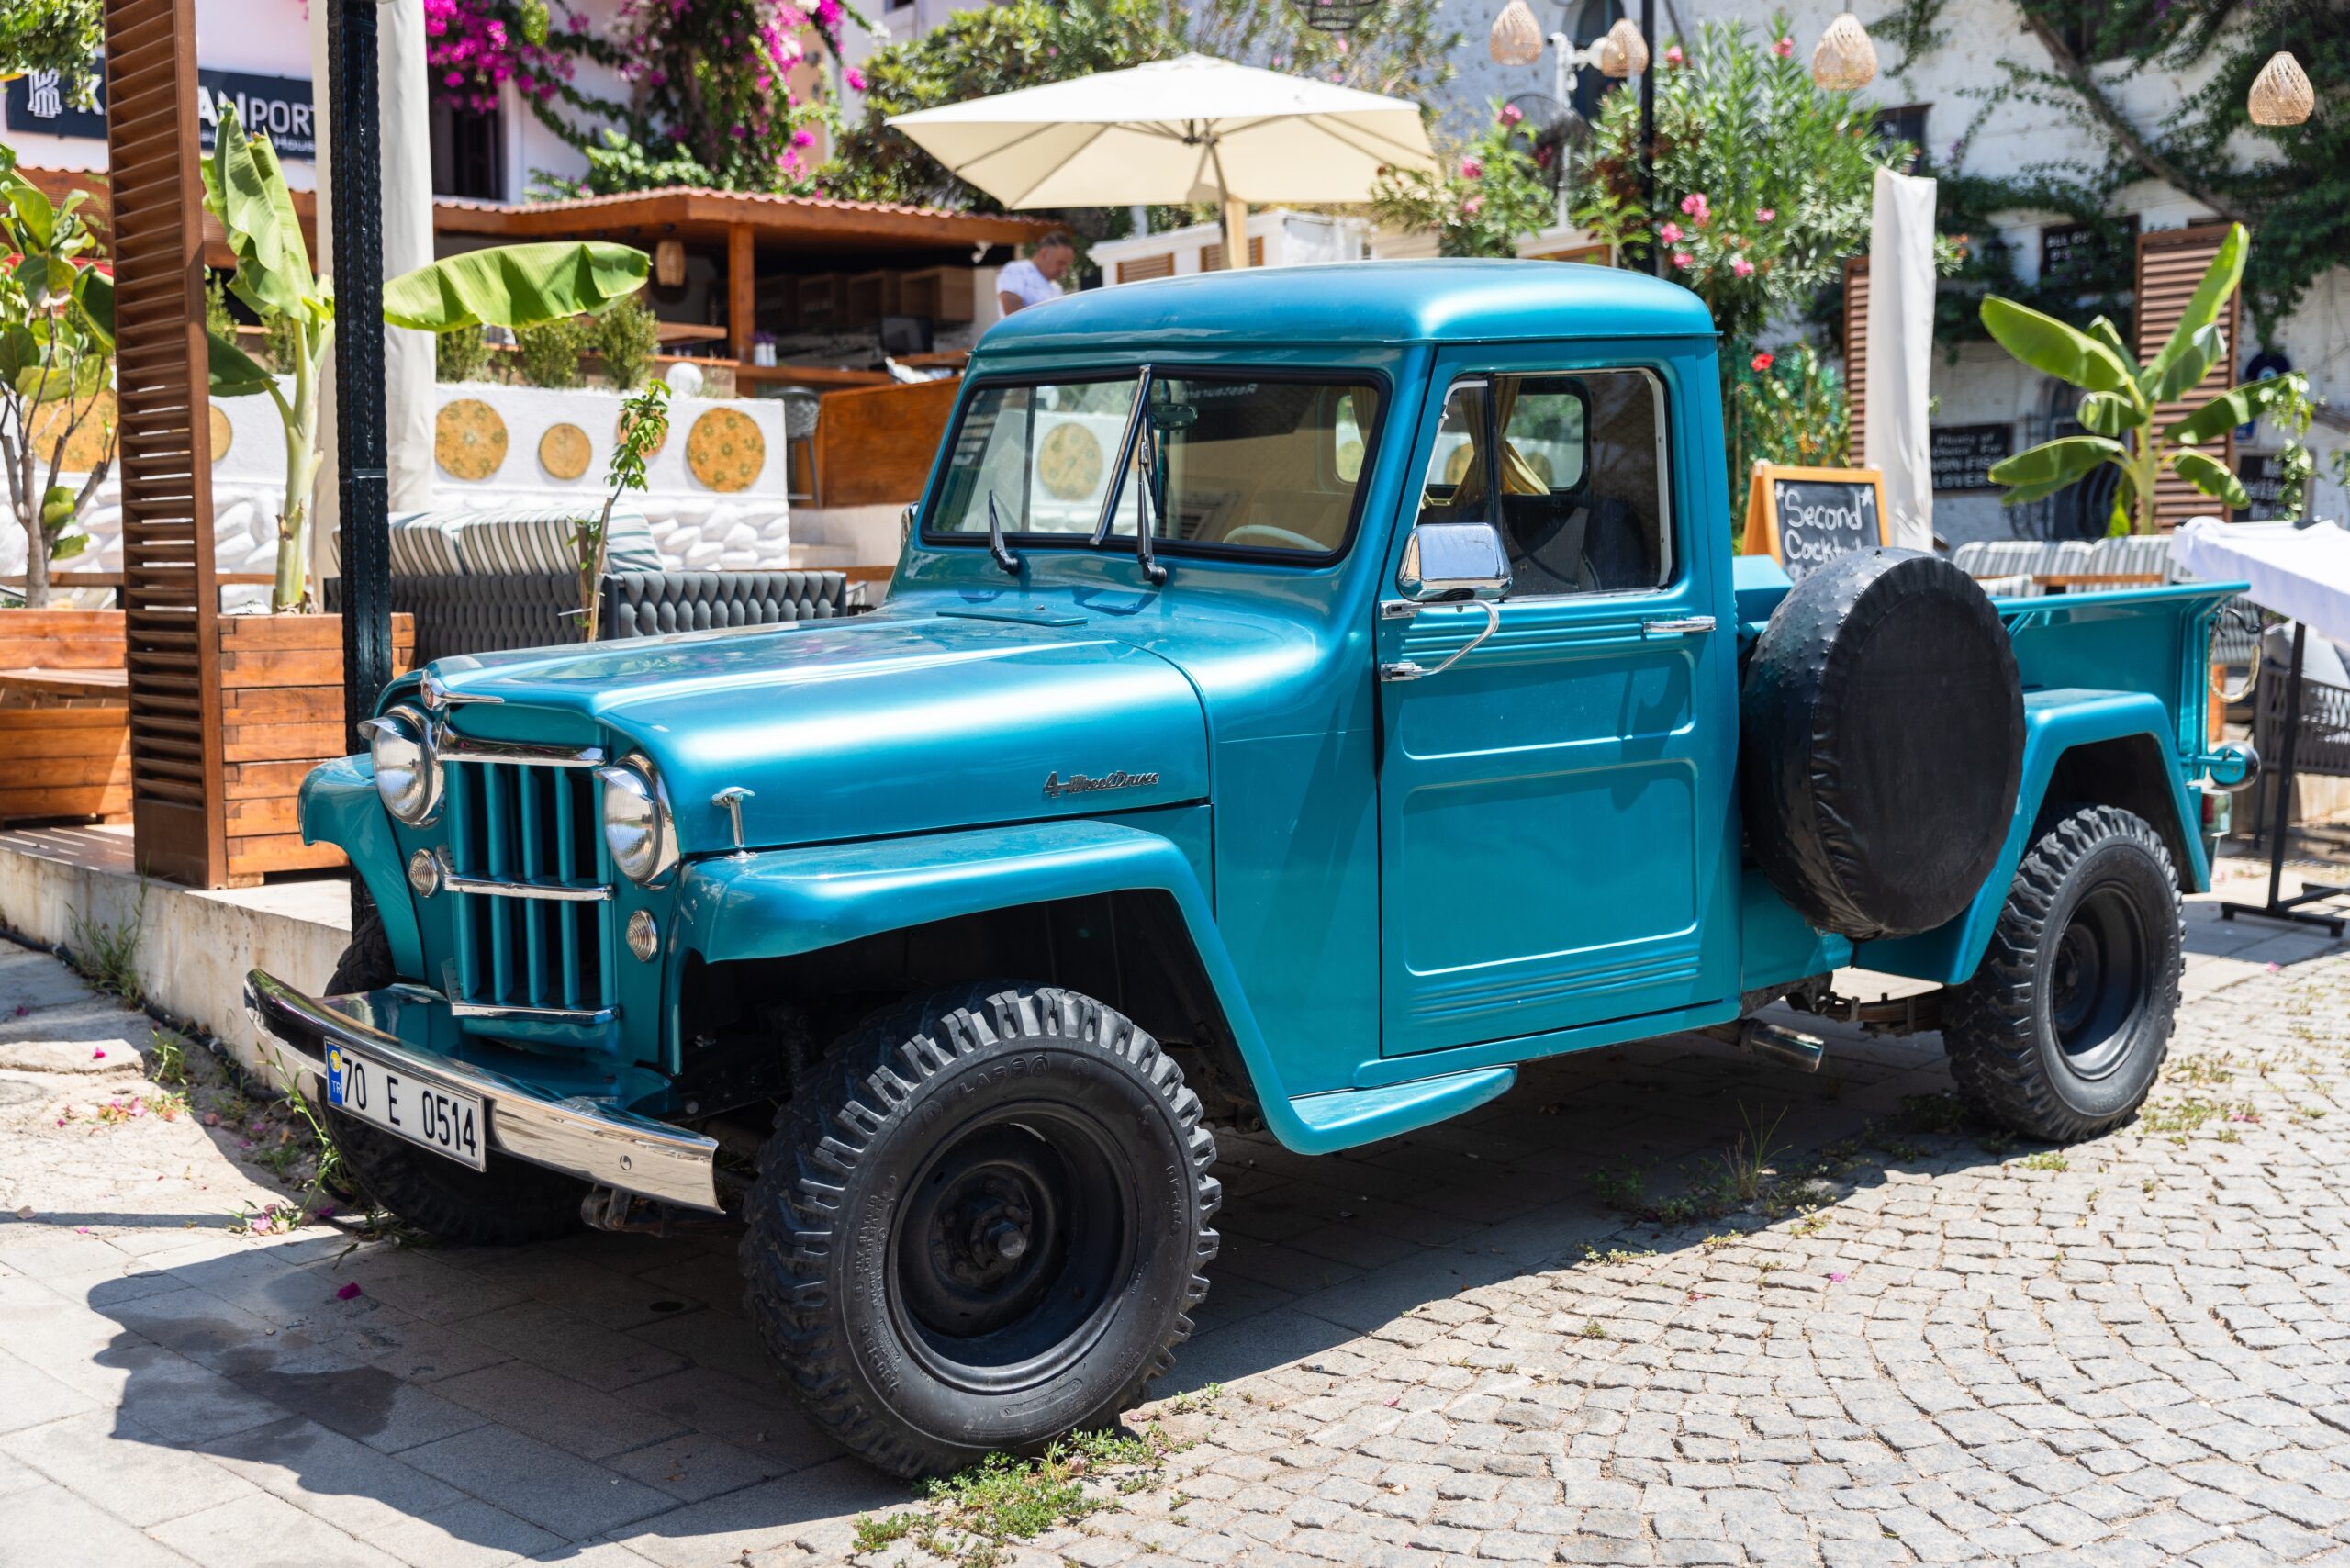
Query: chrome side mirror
[1456, 562]
[1453, 560]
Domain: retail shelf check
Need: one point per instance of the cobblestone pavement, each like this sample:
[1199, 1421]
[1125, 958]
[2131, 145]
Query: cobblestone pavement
[1440, 1349]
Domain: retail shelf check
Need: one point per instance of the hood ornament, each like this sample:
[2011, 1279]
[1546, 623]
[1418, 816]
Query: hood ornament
[1056, 787]
[730, 800]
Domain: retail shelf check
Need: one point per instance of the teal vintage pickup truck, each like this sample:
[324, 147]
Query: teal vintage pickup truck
[1302, 697]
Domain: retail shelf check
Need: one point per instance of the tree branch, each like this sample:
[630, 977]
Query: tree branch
[2141, 152]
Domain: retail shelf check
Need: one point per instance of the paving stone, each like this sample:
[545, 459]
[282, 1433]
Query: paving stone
[557, 1491]
[54, 1527]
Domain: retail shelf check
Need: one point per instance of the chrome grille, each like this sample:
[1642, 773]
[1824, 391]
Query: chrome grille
[526, 865]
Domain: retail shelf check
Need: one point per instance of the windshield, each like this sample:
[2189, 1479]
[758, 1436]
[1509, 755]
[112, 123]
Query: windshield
[1220, 463]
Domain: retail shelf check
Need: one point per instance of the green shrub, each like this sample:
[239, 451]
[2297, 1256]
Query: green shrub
[461, 355]
[549, 355]
[626, 336]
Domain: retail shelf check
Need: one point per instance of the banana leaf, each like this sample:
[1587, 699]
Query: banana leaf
[2058, 462]
[2209, 474]
[2103, 413]
[232, 372]
[515, 285]
[2054, 349]
[246, 189]
[2219, 281]
[2236, 406]
[2205, 349]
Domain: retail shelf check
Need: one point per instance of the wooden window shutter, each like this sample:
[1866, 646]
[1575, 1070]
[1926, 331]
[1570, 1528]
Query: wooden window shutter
[170, 602]
[2171, 262]
[1142, 267]
[1212, 256]
[1856, 357]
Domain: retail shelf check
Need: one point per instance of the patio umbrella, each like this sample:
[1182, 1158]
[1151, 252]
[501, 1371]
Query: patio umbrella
[1188, 129]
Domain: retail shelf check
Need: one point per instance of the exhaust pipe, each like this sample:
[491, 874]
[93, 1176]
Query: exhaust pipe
[1788, 1047]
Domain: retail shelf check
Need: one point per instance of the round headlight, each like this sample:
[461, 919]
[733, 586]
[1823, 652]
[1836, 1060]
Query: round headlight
[408, 776]
[636, 822]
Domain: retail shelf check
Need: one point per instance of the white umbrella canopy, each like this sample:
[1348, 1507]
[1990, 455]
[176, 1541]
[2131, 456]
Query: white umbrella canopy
[1188, 129]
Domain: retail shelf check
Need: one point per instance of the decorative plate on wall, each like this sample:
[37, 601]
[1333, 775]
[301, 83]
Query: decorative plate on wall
[224, 435]
[725, 451]
[469, 439]
[1070, 463]
[564, 451]
[620, 429]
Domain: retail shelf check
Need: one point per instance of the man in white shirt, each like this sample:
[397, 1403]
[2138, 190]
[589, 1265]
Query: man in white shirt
[1024, 284]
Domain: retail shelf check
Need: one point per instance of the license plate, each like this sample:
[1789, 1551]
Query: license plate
[442, 1120]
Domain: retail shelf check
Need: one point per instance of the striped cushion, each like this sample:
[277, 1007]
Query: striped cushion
[422, 546]
[541, 538]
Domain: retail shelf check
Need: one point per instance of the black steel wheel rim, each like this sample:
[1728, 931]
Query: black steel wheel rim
[1010, 1246]
[2097, 982]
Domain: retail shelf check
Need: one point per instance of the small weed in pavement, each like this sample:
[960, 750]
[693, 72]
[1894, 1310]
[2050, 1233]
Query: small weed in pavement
[969, 1517]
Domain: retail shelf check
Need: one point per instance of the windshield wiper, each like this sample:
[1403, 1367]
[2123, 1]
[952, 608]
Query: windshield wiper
[996, 546]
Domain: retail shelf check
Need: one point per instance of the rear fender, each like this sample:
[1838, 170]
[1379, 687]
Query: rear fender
[2106, 747]
[339, 806]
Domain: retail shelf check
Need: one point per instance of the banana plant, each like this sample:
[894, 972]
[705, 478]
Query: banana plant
[2120, 398]
[510, 286]
[56, 349]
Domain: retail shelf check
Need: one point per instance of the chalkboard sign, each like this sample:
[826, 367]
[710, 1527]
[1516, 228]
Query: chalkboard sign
[1807, 516]
[1962, 455]
[2263, 474]
[2069, 249]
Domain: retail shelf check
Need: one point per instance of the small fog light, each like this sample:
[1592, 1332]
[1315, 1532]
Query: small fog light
[643, 936]
[424, 873]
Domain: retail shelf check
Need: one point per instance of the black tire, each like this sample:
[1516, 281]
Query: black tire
[1880, 744]
[878, 1263]
[510, 1203]
[2063, 1029]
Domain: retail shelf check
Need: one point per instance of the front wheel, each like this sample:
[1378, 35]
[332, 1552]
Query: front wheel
[981, 1224]
[2063, 1029]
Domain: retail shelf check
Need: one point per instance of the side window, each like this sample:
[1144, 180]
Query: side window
[1582, 482]
[1457, 488]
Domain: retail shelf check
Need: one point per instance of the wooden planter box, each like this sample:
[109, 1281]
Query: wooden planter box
[280, 715]
[64, 752]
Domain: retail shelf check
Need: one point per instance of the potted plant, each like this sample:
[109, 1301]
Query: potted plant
[281, 673]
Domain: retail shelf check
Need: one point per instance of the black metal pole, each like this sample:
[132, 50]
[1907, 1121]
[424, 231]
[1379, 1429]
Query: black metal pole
[1647, 129]
[360, 481]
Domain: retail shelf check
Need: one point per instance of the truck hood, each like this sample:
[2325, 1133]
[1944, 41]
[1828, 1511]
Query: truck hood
[868, 726]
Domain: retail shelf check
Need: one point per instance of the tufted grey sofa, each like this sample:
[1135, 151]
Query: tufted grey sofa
[490, 612]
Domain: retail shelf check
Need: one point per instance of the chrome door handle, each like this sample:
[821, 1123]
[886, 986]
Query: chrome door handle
[1408, 670]
[1675, 626]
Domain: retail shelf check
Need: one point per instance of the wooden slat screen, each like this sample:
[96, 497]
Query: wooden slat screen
[170, 649]
[2171, 262]
[1856, 357]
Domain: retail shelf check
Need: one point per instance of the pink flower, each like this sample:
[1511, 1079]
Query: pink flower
[1684, 260]
[1673, 57]
[855, 78]
[1741, 266]
[1785, 48]
[349, 1292]
[1473, 207]
[1759, 363]
[1511, 114]
[1838, 1278]
[1471, 169]
[98, 1054]
[1764, 214]
[1694, 205]
[1670, 233]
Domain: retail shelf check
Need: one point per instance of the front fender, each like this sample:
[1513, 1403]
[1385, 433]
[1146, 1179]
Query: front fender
[339, 806]
[788, 902]
[2054, 724]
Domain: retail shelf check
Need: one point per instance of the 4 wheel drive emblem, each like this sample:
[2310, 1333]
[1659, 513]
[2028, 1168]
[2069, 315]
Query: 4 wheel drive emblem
[1079, 784]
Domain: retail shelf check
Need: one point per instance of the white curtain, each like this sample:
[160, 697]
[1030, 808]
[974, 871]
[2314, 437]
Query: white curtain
[405, 139]
[1900, 350]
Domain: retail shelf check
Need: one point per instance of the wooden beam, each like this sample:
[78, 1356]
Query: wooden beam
[742, 290]
[172, 652]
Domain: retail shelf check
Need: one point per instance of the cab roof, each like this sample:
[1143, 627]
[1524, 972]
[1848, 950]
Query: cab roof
[1362, 302]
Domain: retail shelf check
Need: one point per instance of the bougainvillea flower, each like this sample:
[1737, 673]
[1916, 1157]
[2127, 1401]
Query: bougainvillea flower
[1684, 260]
[1674, 56]
[1741, 266]
[1785, 48]
[1670, 233]
[1471, 169]
[1764, 215]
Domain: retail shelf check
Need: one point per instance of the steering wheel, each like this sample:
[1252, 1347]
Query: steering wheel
[1265, 533]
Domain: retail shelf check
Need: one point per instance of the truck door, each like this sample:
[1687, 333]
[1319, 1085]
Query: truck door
[1556, 828]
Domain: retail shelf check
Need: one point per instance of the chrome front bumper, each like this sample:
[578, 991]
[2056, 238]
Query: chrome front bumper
[578, 1136]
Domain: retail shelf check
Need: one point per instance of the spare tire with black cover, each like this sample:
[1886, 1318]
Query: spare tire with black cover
[1881, 744]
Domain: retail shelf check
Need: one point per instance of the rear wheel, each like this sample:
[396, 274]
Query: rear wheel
[980, 1226]
[2063, 1029]
[509, 1203]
